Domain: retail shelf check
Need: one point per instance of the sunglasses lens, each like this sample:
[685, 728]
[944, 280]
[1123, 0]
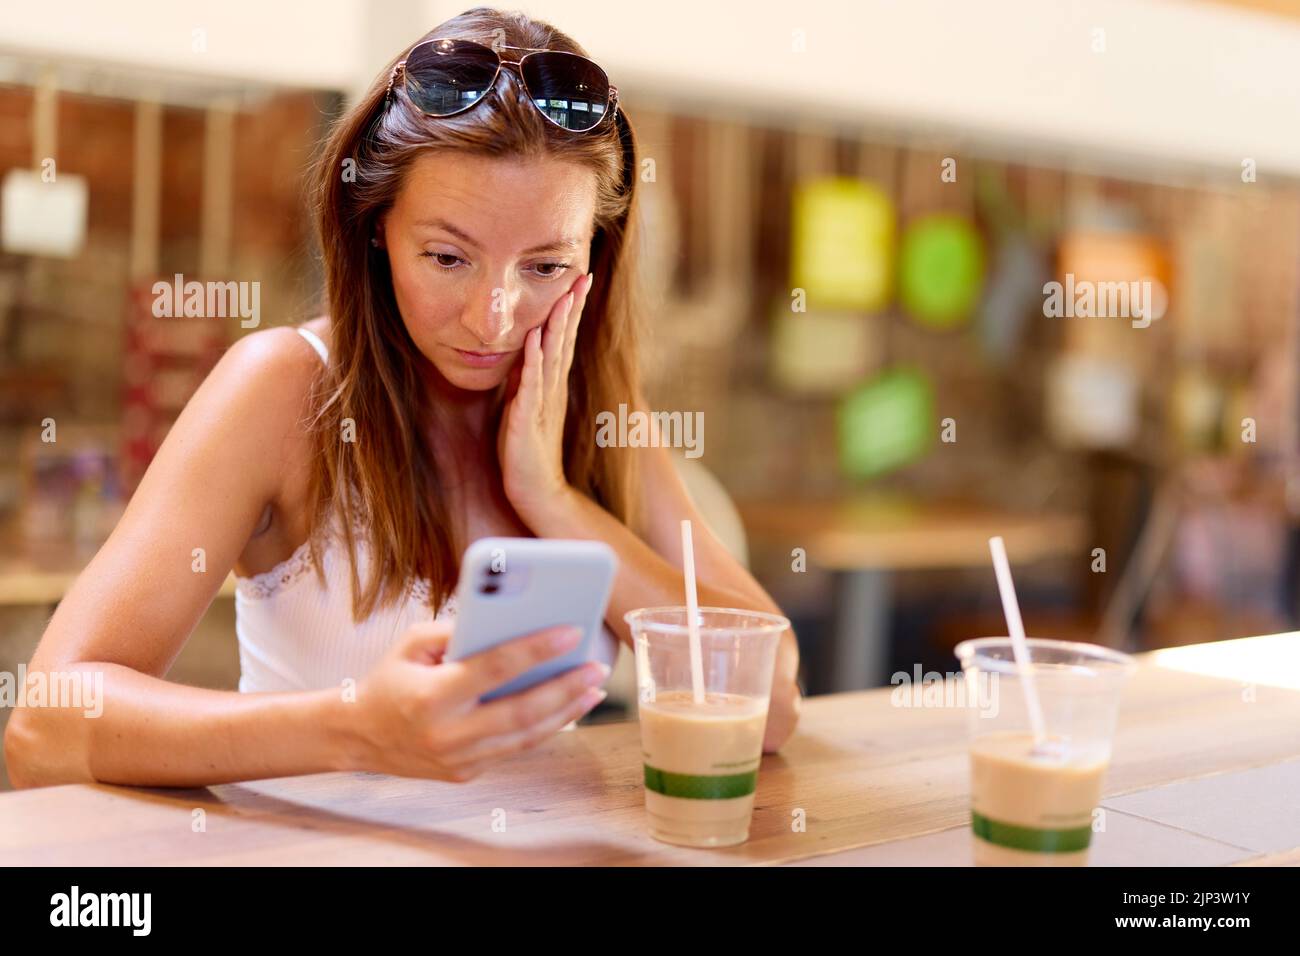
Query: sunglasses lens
[570, 89]
[448, 76]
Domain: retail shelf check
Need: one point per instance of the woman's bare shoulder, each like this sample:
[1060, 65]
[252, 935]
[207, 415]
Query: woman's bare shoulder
[267, 376]
[275, 350]
[321, 327]
[260, 396]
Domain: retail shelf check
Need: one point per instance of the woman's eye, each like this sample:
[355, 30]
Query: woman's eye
[549, 270]
[445, 260]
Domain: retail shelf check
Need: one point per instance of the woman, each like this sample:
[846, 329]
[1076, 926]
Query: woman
[478, 262]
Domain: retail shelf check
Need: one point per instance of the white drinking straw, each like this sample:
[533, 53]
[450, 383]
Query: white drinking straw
[1019, 646]
[692, 614]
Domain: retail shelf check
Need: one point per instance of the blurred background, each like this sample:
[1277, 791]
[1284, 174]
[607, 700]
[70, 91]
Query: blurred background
[853, 215]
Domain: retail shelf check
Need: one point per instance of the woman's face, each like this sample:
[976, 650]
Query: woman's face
[480, 249]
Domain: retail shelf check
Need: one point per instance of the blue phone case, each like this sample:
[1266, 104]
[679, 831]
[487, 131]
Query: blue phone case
[510, 587]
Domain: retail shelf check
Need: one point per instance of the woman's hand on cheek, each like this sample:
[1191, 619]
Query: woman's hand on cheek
[530, 444]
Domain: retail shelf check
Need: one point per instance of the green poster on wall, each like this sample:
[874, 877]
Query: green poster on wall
[940, 270]
[886, 423]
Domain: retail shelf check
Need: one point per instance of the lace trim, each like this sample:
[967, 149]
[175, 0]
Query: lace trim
[268, 583]
[420, 591]
[300, 564]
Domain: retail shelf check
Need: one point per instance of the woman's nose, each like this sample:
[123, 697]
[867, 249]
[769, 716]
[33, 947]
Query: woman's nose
[490, 312]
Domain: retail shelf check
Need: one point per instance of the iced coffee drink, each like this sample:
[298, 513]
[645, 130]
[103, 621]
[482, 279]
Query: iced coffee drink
[701, 753]
[701, 766]
[1034, 794]
[1032, 807]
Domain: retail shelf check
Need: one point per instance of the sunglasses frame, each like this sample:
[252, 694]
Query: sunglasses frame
[611, 98]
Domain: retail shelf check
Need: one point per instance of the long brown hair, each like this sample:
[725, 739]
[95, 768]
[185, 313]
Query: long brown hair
[384, 485]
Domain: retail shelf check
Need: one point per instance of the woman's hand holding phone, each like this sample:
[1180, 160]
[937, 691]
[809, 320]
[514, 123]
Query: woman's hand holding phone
[418, 715]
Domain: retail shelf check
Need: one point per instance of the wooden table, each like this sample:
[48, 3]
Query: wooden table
[1206, 771]
[862, 541]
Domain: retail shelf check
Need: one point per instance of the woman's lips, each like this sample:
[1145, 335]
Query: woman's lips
[482, 359]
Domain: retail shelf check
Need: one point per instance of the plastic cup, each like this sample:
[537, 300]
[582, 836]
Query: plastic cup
[1034, 806]
[701, 762]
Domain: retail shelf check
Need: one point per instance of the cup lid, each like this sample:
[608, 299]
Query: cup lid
[653, 619]
[1051, 653]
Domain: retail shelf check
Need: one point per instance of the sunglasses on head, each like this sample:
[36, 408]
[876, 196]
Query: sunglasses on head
[446, 77]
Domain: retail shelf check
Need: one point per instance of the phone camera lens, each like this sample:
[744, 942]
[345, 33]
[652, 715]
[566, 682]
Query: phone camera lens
[488, 588]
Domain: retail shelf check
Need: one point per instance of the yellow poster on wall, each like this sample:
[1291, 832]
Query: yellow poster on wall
[822, 352]
[842, 244]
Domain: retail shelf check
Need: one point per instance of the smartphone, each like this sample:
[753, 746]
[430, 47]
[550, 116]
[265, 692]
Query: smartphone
[510, 587]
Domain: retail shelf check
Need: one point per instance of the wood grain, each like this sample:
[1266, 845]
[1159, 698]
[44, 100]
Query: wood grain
[862, 770]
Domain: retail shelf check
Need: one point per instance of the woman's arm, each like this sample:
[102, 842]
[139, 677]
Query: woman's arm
[530, 450]
[156, 733]
[651, 568]
[651, 564]
[131, 610]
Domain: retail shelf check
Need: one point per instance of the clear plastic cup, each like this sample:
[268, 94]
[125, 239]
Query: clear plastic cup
[701, 761]
[1036, 806]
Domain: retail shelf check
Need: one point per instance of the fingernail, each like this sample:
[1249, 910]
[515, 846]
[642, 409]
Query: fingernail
[593, 697]
[566, 638]
[597, 673]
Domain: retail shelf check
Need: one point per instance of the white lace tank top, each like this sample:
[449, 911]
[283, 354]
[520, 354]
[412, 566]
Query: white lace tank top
[296, 635]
